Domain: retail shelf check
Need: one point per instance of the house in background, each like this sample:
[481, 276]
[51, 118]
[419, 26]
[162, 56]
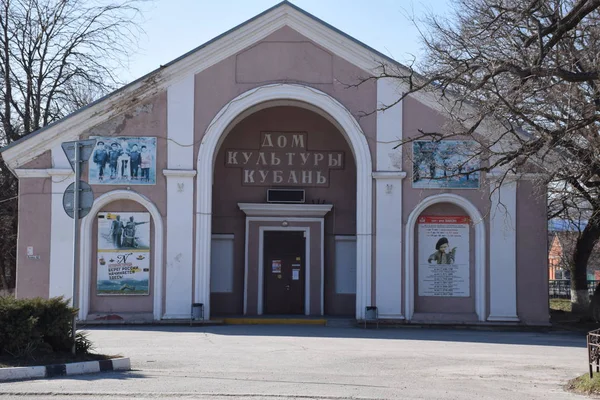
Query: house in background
[562, 238]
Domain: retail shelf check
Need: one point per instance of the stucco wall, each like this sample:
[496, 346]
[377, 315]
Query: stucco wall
[532, 254]
[33, 275]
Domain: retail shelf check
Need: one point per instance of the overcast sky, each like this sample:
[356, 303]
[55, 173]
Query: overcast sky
[173, 27]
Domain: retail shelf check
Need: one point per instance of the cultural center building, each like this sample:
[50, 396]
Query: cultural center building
[251, 176]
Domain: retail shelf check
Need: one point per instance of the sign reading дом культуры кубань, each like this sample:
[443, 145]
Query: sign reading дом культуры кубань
[443, 257]
[123, 253]
[123, 161]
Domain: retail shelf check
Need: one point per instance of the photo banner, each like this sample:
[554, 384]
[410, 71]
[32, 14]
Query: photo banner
[123, 161]
[443, 256]
[123, 253]
[450, 164]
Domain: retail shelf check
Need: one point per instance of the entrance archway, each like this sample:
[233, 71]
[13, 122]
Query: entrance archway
[480, 257]
[267, 96]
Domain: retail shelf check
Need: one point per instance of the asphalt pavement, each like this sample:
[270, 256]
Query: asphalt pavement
[314, 362]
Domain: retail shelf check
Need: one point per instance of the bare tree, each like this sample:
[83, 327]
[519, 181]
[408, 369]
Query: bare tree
[522, 79]
[55, 56]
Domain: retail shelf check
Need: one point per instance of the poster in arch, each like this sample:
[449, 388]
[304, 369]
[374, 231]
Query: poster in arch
[443, 256]
[123, 257]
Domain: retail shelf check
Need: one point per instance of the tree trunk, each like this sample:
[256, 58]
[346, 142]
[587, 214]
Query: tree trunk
[580, 298]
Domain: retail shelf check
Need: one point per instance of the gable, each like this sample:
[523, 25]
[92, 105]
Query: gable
[321, 39]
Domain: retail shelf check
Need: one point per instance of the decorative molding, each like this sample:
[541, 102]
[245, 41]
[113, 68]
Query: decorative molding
[85, 260]
[285, 210]
[217, 130]
[389, 175]
[42, 173]
[480, 251]
[185, 173]
[60, 172]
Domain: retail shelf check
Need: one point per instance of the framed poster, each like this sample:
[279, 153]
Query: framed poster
[123, 253]
[450, 164]
[443, 256]
[123, 161]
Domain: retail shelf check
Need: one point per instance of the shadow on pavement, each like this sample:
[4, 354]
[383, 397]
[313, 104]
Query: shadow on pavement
[558, 339]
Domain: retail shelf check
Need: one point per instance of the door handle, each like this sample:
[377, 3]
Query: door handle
[287, 287]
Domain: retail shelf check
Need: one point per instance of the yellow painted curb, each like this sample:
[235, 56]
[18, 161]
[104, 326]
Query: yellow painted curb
[273, 321]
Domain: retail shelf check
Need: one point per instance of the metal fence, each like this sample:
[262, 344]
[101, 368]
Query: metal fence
[561, 288]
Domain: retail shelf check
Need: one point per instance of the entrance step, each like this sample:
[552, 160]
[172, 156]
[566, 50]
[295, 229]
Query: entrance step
[274, 321]
[341, 322]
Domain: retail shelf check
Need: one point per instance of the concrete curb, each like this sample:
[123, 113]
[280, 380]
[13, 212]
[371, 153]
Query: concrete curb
[78, 368]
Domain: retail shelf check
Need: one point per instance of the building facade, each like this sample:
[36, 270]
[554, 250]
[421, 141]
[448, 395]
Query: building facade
[250, 176]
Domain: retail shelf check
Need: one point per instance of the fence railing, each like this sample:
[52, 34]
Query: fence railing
[561, 288]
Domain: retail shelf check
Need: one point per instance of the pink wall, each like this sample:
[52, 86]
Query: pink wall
[532, 254]
[35, 203]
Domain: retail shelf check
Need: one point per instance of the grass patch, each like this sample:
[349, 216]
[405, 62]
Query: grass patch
[584, 385]
[51, 358]
[560, 305]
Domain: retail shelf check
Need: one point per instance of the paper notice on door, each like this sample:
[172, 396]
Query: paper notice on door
[295, 265]
[295, 274]
[276, 266]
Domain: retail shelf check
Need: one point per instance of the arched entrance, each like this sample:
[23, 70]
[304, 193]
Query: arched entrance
[86, 248]
[269, 96]
[480, 257]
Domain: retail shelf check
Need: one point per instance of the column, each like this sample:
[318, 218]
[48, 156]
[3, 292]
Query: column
[180, 199]
[503, 253]
[388, 200]
[61, 238]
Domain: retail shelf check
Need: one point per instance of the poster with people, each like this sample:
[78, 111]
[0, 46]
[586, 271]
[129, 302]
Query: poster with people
[123, 161]
[443, 256]
[450, 164]
[123, 253]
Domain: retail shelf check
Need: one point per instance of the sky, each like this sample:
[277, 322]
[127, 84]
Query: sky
[174, 27]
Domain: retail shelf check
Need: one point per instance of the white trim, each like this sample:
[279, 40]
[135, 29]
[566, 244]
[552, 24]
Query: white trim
[31, 173]
[194, 63]
[389, 124]
[503, 253]
[179, 172]
[279, 210]
[389, 174]
[261, 267]
[85, 260]
[480, 246]
[215, 134]
[180, 124]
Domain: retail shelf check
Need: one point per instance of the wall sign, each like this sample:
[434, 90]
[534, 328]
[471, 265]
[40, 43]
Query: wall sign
[123, 253]
[443, 258]
[283, 159]
[123, 161]
[445, 164]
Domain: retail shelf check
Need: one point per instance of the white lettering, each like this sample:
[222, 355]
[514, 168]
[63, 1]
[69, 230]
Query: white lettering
[247, 155]
[248, 176]
[321, 179]
[290, 158]
[274, 159]
[335, 160]
[305, 157]
[282, 141]
[261, 156]
[277, 176]
[298, 141]
[318, 158]
[232, 157]
[267, 142]
[263, 176]
[292, 178]
[306, 177]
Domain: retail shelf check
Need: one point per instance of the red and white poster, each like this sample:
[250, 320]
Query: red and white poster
[443, 257]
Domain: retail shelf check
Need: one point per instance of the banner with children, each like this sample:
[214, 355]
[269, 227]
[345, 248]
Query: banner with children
[123, 253]
[123, 161]
[443, 257]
